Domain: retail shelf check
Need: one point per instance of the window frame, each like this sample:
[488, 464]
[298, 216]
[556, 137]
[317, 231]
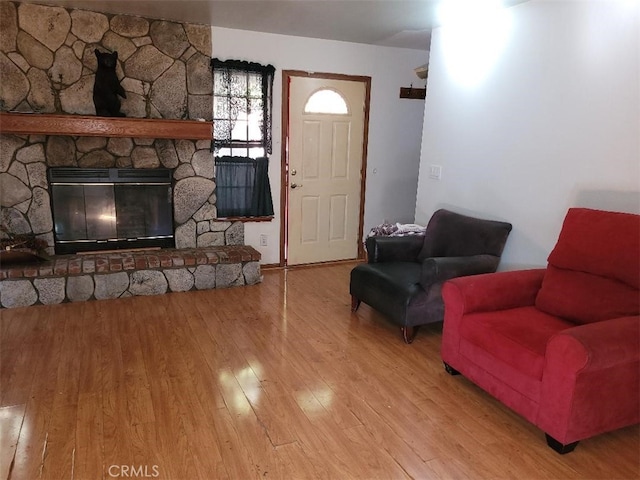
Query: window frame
[328, 112]
[255, 150]
[266, 76]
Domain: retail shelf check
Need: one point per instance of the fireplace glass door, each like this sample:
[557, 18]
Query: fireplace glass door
[141, 211]
[85, 212]
[102, 209]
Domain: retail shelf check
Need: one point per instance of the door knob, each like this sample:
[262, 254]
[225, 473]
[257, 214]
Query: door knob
[295, 185]
[294, 171]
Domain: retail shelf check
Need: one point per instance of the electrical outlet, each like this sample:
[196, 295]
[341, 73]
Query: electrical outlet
[264, 240]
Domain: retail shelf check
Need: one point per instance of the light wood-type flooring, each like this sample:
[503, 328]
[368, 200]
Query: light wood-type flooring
[274, 381]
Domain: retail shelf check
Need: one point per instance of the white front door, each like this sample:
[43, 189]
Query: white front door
[326, 143]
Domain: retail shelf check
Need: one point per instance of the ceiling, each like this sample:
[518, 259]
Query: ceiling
[395, 23]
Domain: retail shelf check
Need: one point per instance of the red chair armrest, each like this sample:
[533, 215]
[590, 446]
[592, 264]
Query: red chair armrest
[591, 379]
[595, 346]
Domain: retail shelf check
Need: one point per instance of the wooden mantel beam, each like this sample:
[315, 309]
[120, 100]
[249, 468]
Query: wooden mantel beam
[92, 126]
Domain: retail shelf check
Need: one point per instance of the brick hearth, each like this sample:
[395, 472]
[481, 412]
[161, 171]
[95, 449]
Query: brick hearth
[98, 276]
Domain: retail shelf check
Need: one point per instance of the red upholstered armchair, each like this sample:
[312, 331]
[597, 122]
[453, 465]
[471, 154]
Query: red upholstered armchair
[561, 345]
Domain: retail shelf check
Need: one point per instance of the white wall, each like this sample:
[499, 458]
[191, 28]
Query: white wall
[554, 124]
[395, 124]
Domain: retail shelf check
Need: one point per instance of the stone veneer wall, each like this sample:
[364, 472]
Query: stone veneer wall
[47, 65]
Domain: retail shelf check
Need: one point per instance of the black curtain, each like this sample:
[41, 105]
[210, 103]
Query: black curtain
[232, 81]
[242, 187]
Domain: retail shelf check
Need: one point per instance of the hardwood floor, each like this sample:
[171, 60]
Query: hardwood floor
[277, 380]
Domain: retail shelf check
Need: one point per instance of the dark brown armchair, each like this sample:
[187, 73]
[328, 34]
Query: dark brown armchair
[404, 276]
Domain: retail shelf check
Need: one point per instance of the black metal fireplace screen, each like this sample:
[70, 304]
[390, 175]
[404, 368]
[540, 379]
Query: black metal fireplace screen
[111, 208]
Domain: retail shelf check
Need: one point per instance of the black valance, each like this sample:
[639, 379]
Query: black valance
[234, 81]
[243, 66]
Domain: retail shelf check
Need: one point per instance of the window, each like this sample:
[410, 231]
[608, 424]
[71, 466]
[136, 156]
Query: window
[326, 101]
[242, 103]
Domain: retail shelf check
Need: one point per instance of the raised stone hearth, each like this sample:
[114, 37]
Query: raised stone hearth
[73, 278]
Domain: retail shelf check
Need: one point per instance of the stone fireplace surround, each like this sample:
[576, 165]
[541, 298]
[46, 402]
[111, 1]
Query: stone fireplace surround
[48, 65]
[24, 195]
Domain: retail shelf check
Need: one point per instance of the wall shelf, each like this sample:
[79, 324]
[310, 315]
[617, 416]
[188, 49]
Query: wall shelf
[91, 126]
[413, 93]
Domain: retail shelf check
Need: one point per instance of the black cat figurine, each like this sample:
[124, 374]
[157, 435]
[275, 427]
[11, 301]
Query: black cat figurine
[107, 86]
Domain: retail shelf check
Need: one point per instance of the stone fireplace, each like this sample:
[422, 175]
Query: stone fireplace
[48, 65]
[25, 194]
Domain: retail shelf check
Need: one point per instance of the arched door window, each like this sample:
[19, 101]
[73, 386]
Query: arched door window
[326, 101]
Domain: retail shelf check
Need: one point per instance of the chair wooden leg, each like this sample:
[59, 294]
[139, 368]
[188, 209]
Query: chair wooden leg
[409, 333]
[355, 303]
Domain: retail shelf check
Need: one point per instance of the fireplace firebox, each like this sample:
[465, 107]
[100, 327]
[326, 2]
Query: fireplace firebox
[111, 208]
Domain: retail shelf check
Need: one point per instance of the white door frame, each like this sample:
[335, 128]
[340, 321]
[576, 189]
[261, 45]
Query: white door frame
[284, 181]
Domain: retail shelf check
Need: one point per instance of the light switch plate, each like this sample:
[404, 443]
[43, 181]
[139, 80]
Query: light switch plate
[435, 172]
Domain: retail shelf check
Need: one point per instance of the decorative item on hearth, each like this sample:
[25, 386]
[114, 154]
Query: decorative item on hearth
[107, 86]
[21, 248]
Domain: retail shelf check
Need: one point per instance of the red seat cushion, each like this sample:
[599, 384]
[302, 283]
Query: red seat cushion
[518, 337]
